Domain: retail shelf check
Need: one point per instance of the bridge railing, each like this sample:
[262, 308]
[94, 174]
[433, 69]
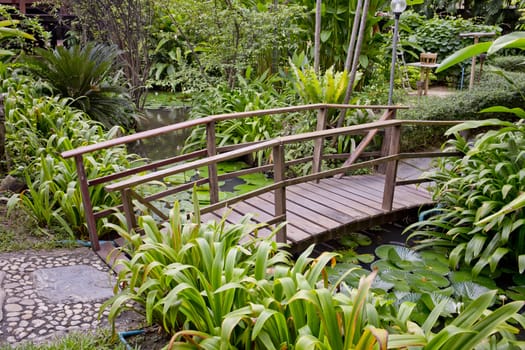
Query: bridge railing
[127, 181]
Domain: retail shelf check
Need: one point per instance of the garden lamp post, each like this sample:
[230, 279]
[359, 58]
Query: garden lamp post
[397, 6]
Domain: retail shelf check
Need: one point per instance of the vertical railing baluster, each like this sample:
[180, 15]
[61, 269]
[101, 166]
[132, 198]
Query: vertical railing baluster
[385, 148]
[280, 192]
[212, 168]
[129, 212]
[391, 168]
[318, 142]
[86, 202]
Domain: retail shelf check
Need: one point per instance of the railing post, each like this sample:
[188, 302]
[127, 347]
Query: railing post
[127, 203]
[385, 148]
[318, 142]
[391, 168]
[86, 202]
[280, 192]
[212, 168]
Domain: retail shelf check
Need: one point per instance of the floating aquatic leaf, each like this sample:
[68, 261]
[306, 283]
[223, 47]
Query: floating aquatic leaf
[380, 284]
[397, 253]
[228, 167]
[354, 239]
[257, 179]
[469, 289]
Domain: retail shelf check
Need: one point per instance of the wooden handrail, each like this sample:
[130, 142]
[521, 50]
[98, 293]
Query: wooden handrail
[205, 120]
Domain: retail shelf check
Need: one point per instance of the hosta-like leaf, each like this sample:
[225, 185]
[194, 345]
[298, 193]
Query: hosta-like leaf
[456, 254]
[474, 247]
[496, 256]
[517, 203]
[487, 325]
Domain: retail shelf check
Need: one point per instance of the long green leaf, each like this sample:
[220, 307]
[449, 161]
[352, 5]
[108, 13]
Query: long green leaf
[488, 324]
[463, 54]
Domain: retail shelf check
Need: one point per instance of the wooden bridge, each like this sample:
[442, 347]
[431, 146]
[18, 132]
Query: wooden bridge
[321, 205]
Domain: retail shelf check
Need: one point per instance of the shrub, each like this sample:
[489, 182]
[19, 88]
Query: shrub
[509, 63]
[83, 75]
[441, 35]
[38, 129]
[217, 285]
[252, 94]
[462, 105]
[31, 33]
[480, 218]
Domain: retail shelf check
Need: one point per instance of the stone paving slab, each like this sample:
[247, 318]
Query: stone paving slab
[45, 294]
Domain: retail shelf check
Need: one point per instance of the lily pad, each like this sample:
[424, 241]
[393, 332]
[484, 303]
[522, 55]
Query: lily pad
[397, 253]
[257, 179]
[427, 281]
[469, 290]
[355, 239]
[382, 285]
[228, 167]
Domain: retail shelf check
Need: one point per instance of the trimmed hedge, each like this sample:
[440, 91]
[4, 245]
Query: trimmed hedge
[509, 63]
[492, 90]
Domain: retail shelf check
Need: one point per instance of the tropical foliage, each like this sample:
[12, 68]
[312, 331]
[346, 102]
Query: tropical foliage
[19, 33]
[218, 285]
[38, 129]
[252, 93]
[481, 195]
[201, 45]
[441, 35]
[83, 74]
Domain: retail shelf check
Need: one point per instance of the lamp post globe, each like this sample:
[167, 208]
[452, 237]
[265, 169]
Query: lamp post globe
[397, 6]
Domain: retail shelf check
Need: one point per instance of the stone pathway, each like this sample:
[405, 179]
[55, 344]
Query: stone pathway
[44, 294]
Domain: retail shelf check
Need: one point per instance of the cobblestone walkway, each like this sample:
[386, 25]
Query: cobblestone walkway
[46, 294]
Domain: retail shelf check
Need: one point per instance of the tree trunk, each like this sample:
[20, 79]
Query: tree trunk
[317, 45]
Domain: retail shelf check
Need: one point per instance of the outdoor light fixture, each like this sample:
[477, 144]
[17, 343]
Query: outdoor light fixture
[397, 6]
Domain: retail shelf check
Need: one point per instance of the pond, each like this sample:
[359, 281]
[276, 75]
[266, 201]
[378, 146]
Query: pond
[167, 145]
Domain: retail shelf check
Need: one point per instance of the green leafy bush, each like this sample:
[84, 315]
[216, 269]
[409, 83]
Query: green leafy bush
[442, 35]
[471, 190]
[217, 285]
[492, 90]
[509, 63]
[83, 75]
[251, 94]
[38, 129]
[20, 33]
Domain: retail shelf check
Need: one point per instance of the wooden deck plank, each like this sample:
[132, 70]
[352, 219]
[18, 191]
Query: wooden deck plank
[368, 187]
[305, 212]
[374, 185]
[331, 196]
[296, 225]
[323, 205]
[409, 191]
[369, 203]
[324, 210]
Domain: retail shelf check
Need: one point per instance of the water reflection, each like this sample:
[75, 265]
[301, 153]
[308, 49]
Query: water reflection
[164, 146]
